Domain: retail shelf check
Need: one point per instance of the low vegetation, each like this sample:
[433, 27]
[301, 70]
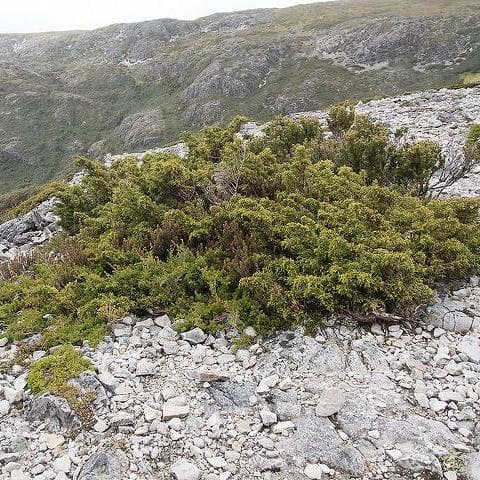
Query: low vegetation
[273, 231]
[19, 202]
[51, 373]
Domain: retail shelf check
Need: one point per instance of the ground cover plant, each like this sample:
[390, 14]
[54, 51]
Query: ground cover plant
[274, 231]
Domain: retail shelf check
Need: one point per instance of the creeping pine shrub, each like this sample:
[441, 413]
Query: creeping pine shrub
[271, 232]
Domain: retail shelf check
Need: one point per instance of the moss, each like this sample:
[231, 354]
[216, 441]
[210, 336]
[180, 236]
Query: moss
[52, 373]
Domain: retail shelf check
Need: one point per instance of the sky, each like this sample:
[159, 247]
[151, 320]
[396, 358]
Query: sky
[19, 16]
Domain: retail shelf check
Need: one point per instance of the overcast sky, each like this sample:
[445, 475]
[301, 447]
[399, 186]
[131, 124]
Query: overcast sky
[46, 15]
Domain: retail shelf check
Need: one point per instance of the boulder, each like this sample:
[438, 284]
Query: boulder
[55, 411]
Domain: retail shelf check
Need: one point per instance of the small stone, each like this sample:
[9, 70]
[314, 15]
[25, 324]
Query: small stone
[470, 346]
[123, 418]
[376, 329]
[313, 471]
[217, 462]
[145, 367]
[330, 402]
[286, 384]
[449, 396]
[422, 399]
[171, 410]
[151, 414]
[283, 427]
[168, 392]
[4, 407]
[375, 434]
[438, 332]
[450, 475]
[267, 383]
[268, 417]
[250, 332]
[122, 330]
[19, 475]
[163, 321]
[184, 470]
[101, 426]
[13, 395]
[212, 376]
[437, 405]
[62, 464]
[38, 354]
[225, 358]
[171, 348]
[108, 380]
[3, 342]
[53, 440]
[195, 336]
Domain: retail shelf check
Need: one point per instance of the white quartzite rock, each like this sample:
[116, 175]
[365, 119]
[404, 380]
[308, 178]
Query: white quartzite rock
[184, 470]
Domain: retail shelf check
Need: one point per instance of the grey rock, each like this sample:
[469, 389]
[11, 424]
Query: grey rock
[194, 336]
[212, 376]
[470, 346]
[4, 407]
[419, 462]
[231, 394]
[145, 367]
[268, 417]
[471, 468]
[122, 418]
[315, 440]
[55, 411]
[330, 401]
[88, 382]
[102, 466]
[172, 410]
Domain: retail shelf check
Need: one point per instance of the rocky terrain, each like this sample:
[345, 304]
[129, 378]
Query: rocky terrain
[389, 403]
[133, 87]
[376, 402]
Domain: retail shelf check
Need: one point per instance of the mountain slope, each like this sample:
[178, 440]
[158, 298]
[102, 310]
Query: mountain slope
[133, 86]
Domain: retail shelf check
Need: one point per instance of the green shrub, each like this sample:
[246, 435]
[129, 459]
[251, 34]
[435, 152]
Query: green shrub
[472, 145]
[272, 232]
[341, 118]
[52, 373]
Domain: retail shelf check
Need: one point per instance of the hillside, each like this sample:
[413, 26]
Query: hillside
[135, 86]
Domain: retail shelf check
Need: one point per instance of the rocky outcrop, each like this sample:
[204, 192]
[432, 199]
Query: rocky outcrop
[20, 235]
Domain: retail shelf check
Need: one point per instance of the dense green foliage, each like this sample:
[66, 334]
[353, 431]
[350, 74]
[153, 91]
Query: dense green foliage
[275, 231]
